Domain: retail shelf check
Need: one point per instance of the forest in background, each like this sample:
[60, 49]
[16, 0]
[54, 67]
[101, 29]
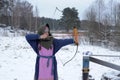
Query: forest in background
[101, 21]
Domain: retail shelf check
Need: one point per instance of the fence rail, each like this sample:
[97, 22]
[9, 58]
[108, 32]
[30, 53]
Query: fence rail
[87, 59]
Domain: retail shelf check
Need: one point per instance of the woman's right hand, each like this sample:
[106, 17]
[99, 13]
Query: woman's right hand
[43, 36]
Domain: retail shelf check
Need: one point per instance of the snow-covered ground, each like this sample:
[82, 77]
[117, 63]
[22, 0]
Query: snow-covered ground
[17, 60]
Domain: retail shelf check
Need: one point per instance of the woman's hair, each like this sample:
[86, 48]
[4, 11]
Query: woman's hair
[41, 30]
[47, 25]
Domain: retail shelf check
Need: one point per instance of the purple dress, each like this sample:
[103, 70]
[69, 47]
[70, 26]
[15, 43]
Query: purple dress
[45, 72]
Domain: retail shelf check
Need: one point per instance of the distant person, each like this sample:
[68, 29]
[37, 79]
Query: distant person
[46, 46]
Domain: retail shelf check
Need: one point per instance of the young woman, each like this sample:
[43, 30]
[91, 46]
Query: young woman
[46, 47]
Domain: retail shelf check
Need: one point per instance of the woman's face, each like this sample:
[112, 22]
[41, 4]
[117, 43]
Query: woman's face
[46, 32]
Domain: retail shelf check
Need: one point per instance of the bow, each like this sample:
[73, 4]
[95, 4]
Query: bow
[72, 57]
[75, 34]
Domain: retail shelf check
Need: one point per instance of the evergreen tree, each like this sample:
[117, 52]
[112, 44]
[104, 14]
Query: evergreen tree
[70, 18]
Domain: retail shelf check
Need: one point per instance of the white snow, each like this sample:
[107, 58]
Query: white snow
[17, 60]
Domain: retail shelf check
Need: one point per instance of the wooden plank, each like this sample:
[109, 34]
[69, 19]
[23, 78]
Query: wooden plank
[104, 63]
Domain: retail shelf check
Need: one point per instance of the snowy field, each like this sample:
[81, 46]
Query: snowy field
[17, 60]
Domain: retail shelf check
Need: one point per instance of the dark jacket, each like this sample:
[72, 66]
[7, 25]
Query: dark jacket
[33, 39]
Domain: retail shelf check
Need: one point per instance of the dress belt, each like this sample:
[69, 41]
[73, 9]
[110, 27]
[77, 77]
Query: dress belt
[49, 57]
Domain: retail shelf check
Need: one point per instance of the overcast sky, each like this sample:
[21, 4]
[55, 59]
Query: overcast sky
[47, 7]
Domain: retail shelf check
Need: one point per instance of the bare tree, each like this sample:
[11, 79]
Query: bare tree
[116, 33]
[25, 14]
[36, 20]
[16, 14]
[106, 28]
[29, 14]
[91, 17]
[111, 11]
[12, 6]
[118, 16]
[115, 14]
[100, 6]
[4, 11]
[91, 14]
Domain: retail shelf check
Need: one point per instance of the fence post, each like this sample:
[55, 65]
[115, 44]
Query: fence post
[85, 70]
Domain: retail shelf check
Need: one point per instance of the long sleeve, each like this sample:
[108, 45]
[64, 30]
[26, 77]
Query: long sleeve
[58, 43]
[32, 39]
